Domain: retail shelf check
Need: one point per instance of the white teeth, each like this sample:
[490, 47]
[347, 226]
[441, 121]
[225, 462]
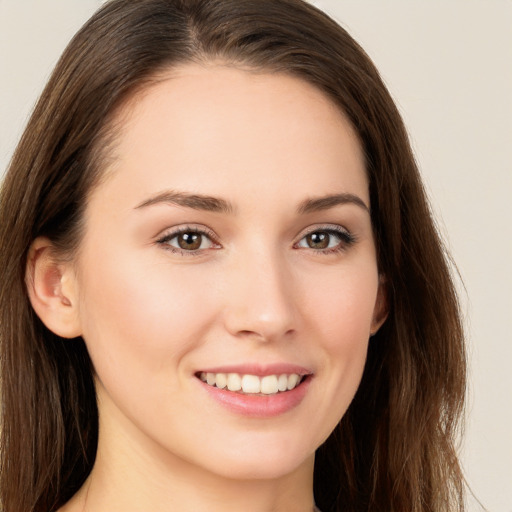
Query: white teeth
[293, 379]
[234, 382]
[282, 382]
[269, 385]
[252, 384]
[221, 380]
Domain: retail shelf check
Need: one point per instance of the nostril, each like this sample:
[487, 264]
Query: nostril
[264, 334]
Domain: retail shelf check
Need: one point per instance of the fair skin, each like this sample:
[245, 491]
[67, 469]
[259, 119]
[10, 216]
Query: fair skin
[263, 281]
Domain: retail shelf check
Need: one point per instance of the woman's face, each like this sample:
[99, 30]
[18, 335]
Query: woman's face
[230, 242]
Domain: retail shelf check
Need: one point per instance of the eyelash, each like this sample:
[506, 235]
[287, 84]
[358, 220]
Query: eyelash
[203, 232]
[346, 239]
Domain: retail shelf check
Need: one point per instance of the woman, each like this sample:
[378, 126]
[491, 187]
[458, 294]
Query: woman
[221, 284]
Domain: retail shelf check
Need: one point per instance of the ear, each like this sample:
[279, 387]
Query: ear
[381, 309]
[52, 289]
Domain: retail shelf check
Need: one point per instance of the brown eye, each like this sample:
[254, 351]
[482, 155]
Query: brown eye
[327, 240]
[189, 241]
[318, 240]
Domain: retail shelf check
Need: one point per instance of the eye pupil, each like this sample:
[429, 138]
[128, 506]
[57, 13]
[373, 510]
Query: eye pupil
[318, 240]
[189, 241]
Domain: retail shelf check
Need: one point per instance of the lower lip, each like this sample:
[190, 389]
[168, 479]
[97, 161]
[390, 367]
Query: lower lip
[259, 406]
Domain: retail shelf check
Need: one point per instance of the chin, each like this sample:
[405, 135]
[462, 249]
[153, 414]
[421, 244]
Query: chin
[262, 462]
[260, 470]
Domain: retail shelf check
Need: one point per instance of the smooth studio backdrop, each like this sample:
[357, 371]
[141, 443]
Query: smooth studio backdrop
[448, 64]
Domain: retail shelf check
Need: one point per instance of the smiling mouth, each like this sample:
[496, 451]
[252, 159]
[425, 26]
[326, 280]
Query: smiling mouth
[252, 384]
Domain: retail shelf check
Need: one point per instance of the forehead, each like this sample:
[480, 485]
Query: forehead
[217, 129]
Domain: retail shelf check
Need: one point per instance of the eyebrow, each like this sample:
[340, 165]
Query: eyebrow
[327, 202]
[218, 205]
[195, 201]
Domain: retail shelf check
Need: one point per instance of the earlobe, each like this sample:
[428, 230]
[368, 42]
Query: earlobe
[52, 289]
[381, 309]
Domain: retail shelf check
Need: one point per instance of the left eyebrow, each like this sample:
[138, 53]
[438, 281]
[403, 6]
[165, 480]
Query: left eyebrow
[326, 202]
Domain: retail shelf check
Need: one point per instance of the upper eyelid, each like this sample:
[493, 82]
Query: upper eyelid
[167, 235]
[323, 227]
[345, 236]
[192, 228]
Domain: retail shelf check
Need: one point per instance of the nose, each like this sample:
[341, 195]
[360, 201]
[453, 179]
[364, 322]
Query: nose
[260, 302]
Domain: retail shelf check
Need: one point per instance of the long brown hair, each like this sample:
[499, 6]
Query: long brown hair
[394, 448]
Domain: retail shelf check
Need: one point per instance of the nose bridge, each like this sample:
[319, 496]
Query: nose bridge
[261, 299]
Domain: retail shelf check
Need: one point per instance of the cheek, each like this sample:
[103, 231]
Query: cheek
[141, 314]
[342, 314]
[342, 306]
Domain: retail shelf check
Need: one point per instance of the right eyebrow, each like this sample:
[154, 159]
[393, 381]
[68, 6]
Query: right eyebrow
[194, 201]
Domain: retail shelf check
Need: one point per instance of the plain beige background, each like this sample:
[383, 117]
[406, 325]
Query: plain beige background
[448, 64]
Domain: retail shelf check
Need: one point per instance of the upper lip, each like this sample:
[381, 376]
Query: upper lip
[260, 370]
